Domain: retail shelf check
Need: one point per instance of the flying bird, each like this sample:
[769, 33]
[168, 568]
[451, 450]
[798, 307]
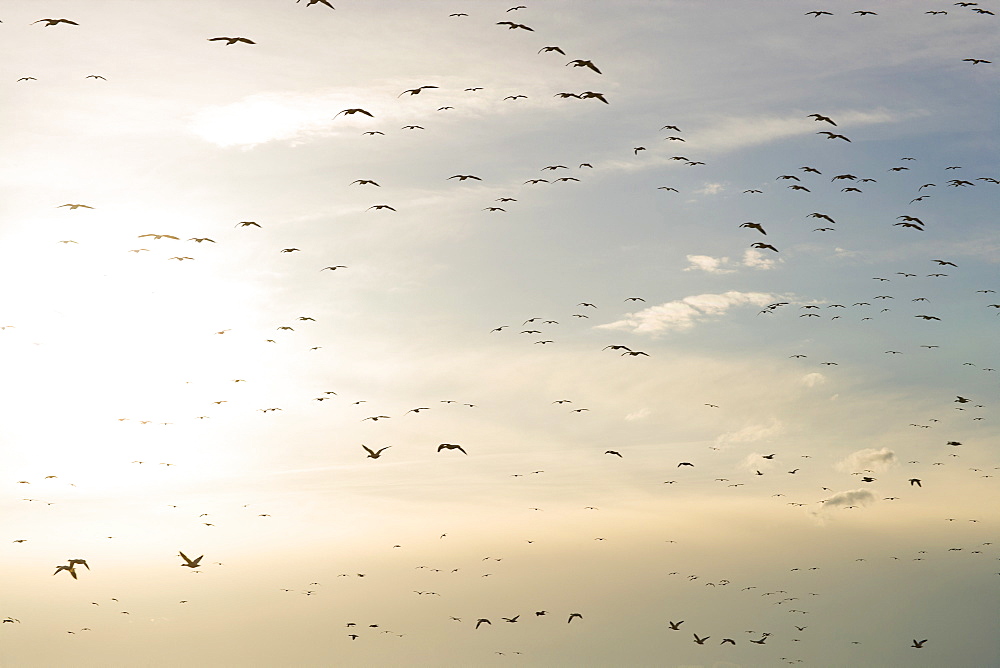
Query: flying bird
[583, 63]
[54, 22]
[374, 454]
[231, 40]
[191, 563]
[349, 112]
[451, 446]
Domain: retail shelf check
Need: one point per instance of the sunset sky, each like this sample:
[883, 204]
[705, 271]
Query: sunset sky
[802, 449]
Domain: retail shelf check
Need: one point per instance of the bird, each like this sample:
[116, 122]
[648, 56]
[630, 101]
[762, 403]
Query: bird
[69, 569]
[820, 117]
[191, 563]
[511, 25]
[817, 14]
[918, 644]
[915, 481]
[549, 49]
[755, 226]
[415, 91]
[74, 207]
[349, 112]
[574, 615]
[612, 452]
[231, 40]
[583, 63]
[374, 454]
[831, 135]
[159, 236]
[700, 641]
[451, 446]
[483, 621]
[54, 22]
[675, 626]
[310, 3]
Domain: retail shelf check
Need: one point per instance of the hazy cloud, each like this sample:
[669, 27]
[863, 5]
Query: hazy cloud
[750, 433]
[851, 497]
[684, 313]
[713, 265]
[756, 259]
[868, 459]
[813, 379]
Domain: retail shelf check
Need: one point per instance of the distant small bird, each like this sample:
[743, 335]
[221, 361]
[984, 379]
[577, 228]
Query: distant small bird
[231, 40]
[55, 22]
[451, 446]
[573, 615]
[349, 112]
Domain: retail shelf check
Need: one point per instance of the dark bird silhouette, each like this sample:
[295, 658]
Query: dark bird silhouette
[511, 25]
[349, 112]
[700, 641]
[231, 40]
[573, 615]
[583, 63]
[415, 91]
[919, 644]
[820, 117]
[374, 454]
[831, 135]
[54, 22]
[547, 49]
[451, 446]
[191, 563]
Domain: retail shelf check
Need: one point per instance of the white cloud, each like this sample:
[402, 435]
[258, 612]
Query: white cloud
[685, 313]
[638, 415]
[266, 117]
[738, 132]
[756, 259]
[750, 433]
[813, 379]
[851, 497]
[713, 265]
[710, 189]
[868, 459]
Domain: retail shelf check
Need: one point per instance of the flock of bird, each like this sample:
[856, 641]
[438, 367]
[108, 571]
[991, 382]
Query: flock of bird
[910, 301]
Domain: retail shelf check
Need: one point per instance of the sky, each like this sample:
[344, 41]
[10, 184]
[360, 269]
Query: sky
[707, 296]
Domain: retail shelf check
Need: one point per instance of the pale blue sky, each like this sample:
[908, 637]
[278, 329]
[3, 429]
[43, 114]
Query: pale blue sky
[188, 138]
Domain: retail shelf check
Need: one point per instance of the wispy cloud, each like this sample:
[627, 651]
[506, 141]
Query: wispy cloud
[685, 313]
[638, 415]
[813, 379]
[750, 433]
[868, 459]
[712, 265]
[731, 133]
[851, 497]
[756, 259]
